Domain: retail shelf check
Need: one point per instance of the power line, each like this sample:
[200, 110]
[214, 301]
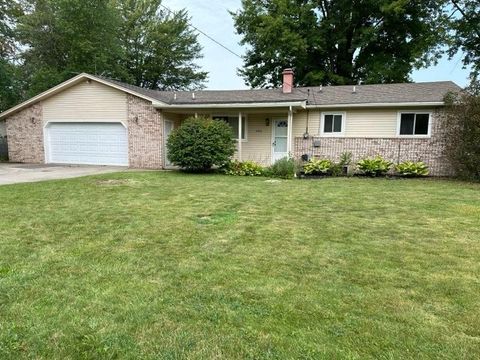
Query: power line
[205, 34]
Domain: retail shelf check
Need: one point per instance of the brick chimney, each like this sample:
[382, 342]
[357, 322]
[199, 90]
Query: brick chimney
[287, 86]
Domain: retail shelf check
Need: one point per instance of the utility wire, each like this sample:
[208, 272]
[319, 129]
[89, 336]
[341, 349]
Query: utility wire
[205, 34]
[223, 46]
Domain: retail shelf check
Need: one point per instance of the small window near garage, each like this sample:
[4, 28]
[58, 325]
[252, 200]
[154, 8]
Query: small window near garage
[233, 122]
[413, 124]
[333, 124]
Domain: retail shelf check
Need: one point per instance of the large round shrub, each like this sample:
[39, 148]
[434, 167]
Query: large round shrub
[201, 143]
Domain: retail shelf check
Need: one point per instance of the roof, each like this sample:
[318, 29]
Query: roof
[405, 94]
[326, 95]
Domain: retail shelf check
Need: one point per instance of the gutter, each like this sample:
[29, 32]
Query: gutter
[377, 105]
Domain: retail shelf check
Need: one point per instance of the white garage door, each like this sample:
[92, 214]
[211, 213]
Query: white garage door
[87, 143]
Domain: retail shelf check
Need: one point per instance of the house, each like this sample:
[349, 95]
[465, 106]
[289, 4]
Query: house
[94, 120]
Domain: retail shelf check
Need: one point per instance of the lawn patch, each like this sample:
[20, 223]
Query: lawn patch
[171, 265]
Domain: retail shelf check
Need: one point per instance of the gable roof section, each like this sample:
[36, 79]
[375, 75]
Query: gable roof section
[406, 94]
[67, 84]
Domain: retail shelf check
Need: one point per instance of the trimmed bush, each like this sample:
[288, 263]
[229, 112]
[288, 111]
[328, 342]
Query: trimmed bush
[201, 143]
[377, 166]
[245, 168]
[285, 168]
[411, 169]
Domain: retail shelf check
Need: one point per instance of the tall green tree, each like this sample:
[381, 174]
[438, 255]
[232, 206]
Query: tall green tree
[465, 37]
[10, 93]
[160, 49]
[338, 41]
[66, 37]
[462, 127]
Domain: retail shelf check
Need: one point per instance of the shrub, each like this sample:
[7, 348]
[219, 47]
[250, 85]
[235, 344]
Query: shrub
[318, 167]
[411, 169]
[285, 168]
[245, 168]
[345, 159]
[462, 129]
[200, 143]
[377, 166]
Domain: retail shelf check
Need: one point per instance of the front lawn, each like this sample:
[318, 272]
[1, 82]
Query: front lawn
[167, 265]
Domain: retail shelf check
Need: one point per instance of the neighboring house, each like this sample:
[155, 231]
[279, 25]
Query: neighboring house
[93, 120]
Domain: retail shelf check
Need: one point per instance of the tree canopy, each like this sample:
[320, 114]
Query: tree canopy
[466, 33]
[67, 37]
[159, 47]
[339, 42]
[9, 84]
[44, 42]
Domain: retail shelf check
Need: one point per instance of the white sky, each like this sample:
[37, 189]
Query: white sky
[212, 17]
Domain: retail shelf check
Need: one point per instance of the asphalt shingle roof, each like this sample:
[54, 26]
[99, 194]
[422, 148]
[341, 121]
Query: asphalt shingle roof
[326, 95]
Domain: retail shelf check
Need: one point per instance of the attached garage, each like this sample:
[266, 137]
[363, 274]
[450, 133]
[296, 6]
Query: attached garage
[88, 121]
[86, 143]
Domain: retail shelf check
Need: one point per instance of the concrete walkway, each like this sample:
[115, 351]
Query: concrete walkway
[21, 173]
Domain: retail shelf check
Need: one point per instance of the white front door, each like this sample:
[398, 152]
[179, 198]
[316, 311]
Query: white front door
[86, 143]
[280, 135]
[168, 127]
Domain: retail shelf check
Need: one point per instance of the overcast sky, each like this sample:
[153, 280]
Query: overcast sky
[212, 17]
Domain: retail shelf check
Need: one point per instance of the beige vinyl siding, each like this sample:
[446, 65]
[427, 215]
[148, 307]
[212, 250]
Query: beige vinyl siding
[3, 128]
[86, 102]
[300, 123]
[371, 123]
[258, 145]
[378, 123]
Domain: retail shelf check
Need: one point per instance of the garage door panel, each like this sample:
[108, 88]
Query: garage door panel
[87, 143]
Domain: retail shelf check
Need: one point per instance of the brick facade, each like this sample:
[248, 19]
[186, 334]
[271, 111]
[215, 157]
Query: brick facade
[145, 134]
[25, 135]
[145, 141]
[429, 150]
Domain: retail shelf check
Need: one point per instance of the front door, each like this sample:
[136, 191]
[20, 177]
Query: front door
[280, 134]
[168, 129]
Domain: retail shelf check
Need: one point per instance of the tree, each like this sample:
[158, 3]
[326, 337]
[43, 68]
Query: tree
[201, 143]
[466, 33]
[463, 132]
[338, 42]
[159, 47]
[10, 11]
[67, 37]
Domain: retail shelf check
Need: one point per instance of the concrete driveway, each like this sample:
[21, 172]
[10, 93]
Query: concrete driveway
[21, 173]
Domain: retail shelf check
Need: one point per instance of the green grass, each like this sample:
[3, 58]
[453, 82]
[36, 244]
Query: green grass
[167, 265]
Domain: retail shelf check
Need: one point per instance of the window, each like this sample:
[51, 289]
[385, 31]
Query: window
[412, 124]
[333, 124]
[233, 122]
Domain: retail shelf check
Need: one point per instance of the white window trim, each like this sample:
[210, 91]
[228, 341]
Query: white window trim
[244, 130]
[399, 121]
[333, 134]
